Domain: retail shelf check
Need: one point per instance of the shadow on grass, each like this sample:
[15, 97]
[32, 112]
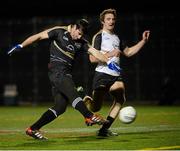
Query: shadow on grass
[79, 140]
[34, 143]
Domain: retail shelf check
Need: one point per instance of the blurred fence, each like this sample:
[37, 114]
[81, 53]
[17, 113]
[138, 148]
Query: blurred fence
[145, 72]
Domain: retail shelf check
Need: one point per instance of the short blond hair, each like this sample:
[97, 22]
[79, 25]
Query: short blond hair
[107, 11]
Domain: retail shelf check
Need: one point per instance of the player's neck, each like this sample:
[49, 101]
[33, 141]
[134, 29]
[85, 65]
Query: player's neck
[108, 31]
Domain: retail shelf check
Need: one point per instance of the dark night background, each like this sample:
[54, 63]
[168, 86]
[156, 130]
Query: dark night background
[151, 75]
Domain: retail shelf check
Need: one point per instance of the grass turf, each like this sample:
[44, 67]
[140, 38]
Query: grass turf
[156, 127]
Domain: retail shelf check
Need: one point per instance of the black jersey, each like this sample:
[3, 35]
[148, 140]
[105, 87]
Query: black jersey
[63, 48]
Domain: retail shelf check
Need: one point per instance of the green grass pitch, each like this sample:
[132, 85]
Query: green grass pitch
[156, 128]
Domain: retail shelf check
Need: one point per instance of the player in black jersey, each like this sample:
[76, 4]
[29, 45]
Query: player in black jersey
[107, 81]
[66, 41]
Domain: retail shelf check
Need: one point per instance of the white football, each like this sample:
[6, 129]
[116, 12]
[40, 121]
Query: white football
[127, 114]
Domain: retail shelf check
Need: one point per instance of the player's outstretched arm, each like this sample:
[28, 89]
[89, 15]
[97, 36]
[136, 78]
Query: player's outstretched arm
[130, 51]
[28, 41]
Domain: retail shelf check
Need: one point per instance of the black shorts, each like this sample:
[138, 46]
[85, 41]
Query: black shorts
[62, 83]
[104, 81]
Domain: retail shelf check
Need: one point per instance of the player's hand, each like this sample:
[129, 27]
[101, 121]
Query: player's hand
[16, 48]
[146, 35]
[114, 66]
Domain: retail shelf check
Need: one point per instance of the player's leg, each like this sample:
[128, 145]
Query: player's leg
[95, 103]
[100, 88]
[48, 116]
[51, 113]
[68, 89]
[117, 90]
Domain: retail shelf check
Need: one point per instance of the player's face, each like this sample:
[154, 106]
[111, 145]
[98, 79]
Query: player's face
[76, 33]
[109, 22]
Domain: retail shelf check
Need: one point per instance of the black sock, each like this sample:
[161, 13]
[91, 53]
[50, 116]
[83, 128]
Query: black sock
[80, 106]
[108, 124]
[46, 118]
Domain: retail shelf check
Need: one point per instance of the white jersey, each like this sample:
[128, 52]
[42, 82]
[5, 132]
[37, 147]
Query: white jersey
[107, 42]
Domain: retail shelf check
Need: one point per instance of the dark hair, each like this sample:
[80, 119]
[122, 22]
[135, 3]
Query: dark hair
[82, 24]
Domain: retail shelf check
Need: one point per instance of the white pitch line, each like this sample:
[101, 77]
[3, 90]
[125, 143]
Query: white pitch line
[91, 129]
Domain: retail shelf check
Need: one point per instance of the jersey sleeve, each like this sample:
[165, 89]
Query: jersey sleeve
[53, 34]
[96, 41]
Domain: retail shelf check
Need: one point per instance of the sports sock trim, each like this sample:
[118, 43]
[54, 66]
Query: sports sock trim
[76, 101]
[54, 112]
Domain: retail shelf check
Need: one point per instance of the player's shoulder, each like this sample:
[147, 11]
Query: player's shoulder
[98, 35]
[59, 28]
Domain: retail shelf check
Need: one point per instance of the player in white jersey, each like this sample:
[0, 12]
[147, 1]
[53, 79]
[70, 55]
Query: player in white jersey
[107, 80]
[108, 43]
